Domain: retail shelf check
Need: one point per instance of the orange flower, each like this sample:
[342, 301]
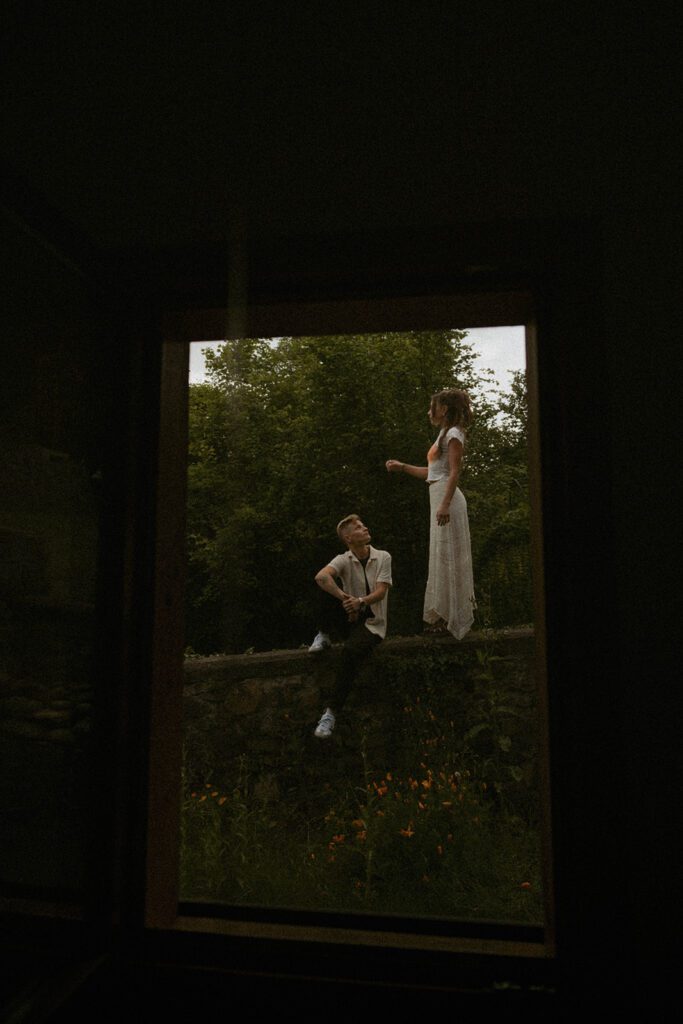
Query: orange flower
[408, 832]
[439, 849]
[389, 777]
[525, 885]
[446, 803]
[421, 805]
[202, 798]
[193, 795]
[338, 839]
[380, 814]
[426, 783]
[215, 793]
[361, 836]
[358, 823]
[222, 800]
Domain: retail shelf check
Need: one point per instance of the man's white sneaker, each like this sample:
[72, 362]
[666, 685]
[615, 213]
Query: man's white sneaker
[320, 642]
[325, 725]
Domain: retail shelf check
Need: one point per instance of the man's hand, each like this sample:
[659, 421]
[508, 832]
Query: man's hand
[351, 604]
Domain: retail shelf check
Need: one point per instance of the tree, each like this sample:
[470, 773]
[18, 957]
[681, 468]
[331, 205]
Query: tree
[290, 436]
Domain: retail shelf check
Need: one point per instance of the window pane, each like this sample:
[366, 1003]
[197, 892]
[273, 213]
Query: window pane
[423, 799]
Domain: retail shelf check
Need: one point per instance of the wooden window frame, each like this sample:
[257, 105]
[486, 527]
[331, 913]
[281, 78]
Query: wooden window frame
[162, 911]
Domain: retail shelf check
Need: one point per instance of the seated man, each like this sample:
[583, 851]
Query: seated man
[359, 606]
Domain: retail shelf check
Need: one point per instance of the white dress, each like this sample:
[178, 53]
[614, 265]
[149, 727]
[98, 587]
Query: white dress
[450, 585]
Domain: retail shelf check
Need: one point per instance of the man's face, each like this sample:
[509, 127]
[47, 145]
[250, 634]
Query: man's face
[357, 533]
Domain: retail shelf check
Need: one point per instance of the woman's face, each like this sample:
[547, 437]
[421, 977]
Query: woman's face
[436, 413]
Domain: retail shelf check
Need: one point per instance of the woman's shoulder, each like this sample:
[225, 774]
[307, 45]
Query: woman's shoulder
[455, 432]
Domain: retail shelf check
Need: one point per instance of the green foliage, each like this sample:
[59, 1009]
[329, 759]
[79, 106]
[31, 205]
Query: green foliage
[289, 437]
[426, 838]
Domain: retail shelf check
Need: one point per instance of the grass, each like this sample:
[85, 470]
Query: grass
[432, 837]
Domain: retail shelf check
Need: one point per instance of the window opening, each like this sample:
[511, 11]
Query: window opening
[426, 801]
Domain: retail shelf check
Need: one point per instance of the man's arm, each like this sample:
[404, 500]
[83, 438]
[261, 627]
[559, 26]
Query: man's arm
[326, 581]
[353, 604]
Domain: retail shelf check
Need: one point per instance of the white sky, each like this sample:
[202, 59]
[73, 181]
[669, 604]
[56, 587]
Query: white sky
[499, 348]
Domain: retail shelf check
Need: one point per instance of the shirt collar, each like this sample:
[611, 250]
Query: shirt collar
[355, 558]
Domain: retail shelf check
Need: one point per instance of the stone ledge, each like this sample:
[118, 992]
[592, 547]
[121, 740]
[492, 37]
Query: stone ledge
[295, 662]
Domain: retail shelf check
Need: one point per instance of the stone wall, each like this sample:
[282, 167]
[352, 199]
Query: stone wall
[255, 714]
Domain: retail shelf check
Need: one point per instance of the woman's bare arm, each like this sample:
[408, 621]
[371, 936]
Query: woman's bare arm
[394, 466]
[455, 450]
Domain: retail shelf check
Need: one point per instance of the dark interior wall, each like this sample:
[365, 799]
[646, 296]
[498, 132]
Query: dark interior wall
[372, 137]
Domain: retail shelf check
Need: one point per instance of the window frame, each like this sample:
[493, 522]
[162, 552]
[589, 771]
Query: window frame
[163, 911]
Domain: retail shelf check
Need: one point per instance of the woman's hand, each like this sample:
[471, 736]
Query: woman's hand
[393, 466]
[443, 515]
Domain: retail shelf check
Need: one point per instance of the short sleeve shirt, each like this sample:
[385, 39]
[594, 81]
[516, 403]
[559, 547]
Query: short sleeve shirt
[378, 570]
[437, 456]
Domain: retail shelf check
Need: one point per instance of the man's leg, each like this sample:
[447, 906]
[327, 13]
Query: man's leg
[330, 620]
[358, 645]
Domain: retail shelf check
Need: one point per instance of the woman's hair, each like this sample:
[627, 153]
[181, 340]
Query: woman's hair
[458, 407]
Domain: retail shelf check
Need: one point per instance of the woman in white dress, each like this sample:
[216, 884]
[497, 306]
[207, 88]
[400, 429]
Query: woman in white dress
[449, 597]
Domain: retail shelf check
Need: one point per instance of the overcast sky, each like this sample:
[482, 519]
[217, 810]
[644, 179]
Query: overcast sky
[499, 348]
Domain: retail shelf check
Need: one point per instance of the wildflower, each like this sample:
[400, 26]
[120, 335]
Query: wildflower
[202, 798]
[358, 823]
[338, 839]
[389, 777]
[408, 832]
[361, 836]
[380, 814]
[449, 837]
[207, 785]
[312, 856]
[381, 790]
[525, 885]
[426, 783]
[330, 858]
[414, 784]
[439, 849]
[215, 793]
[222, 801]
[446, 803]
[425, 879]
[421, 805]
[193, 795]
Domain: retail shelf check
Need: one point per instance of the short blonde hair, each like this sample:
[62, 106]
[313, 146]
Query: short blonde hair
[344, 523]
